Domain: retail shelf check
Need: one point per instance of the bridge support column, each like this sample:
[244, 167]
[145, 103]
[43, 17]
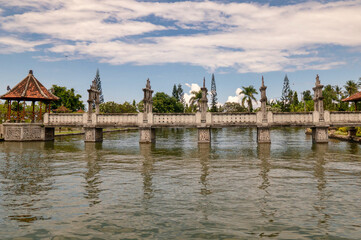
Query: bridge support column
[93, 134]
[319, 134]
[263, 135]
[49, 133]
[147, 135]
[351, 132]
[204, 135]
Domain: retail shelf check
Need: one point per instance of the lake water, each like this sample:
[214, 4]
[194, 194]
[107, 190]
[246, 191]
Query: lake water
[177, 189]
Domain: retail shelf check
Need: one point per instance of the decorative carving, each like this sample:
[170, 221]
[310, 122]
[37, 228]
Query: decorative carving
[13, 133]
[147, 135]
[204, 135]
[263, 135]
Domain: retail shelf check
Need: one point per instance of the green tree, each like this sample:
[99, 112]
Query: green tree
[213, 95]
[307, 95]
[99, 85]
[180, 94]
[248, 96]
[68, 98]
[286, 97]
[112, 107]
[175, 92]
[194, 100]
[163, 103]
[295, 98]
[351, 87]
[233, 107]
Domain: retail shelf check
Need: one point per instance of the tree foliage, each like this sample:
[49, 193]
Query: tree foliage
[112, 107]
[286, 97]
[99, 85]
[68, 99]
[233, 107]
[213, 95]
[163, 103]
[249, 96]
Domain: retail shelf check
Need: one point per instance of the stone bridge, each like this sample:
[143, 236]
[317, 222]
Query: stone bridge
[147, 121]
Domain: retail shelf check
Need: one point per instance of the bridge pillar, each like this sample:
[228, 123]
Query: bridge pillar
[263, 135]
[320, 134]
[204, 135]
[147, 135]
[93, 134]
[49, 133]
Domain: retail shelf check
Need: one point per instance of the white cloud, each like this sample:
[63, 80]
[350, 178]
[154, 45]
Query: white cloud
[14, 45]
[248, 37]
[193, 88]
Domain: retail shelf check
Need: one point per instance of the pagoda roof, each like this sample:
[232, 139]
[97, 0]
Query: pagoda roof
[353, 98]
[29, 89]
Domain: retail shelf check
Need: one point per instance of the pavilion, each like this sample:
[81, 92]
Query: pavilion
[29, 89]
[353, 98]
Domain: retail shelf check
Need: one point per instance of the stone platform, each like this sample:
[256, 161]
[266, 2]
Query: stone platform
[27, 132]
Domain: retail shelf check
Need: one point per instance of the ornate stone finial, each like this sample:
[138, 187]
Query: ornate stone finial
[148, 84]
[317, 79]
[94, 85]
[30, 72]
[262, 81]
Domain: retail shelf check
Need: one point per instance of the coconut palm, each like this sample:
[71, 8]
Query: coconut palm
[351, 87]
[193, 102]
[248, 96]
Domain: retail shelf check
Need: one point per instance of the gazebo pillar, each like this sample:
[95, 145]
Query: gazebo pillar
[23, 115]
[9, 110]
[18, 114]
[33, 114]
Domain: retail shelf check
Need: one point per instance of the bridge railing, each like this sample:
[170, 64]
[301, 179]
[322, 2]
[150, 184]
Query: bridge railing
[292, 118]
[64, 119]
[176, 119]
[234, 118]
[126, 119]
[345, 117]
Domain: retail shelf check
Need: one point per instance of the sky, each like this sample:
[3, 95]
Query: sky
[179, 42]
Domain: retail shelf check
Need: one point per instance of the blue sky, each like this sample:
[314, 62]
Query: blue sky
[65, 41]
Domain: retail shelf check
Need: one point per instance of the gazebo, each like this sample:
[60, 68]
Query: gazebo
[353, 98]
[29, 89]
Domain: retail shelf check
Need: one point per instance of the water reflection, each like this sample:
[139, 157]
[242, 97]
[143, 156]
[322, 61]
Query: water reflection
[267, 212]
[147, 169]
[320, 151]
[27, 178]
[92, 176]
[203, 151]
[264, 153]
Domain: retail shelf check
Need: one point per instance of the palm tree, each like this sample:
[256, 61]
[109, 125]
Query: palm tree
[351, 87]
[248, 96]
[193, 102]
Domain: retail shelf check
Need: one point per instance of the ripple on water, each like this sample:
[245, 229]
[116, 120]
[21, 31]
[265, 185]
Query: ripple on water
[233, 189]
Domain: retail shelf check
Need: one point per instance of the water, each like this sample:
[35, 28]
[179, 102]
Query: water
[176, 189]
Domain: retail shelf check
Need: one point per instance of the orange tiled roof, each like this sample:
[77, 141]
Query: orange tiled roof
[353, 98]
[29, 89]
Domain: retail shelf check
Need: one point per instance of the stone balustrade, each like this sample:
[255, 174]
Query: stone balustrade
[233, 119]
[116, 119]
[174, 119]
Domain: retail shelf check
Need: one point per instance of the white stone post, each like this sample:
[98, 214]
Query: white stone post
[204, 130]
[263, 131]
[146, 132]
[320, 129]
